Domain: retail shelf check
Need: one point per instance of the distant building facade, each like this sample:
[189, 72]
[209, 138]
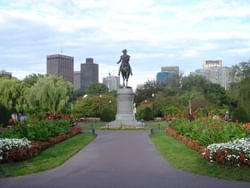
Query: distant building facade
[77, 80]
[4, 73]
[112, 82]
[165, 77]
[61, 65]
[89, 73]
[208, 64]
[171, 69]
[168, 75]
[216, 73]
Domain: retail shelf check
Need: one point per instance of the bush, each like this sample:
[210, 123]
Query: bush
[107, 115]
[148, 114]
[4, 115]
[208, 131]
[39, 130]
[240, 114]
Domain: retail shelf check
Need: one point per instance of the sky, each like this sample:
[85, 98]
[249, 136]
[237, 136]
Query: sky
[156, 33]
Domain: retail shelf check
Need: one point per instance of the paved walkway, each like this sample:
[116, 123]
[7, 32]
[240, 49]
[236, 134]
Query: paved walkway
[118, 160]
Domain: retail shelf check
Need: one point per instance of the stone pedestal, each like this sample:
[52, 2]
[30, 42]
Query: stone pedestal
[125, 103]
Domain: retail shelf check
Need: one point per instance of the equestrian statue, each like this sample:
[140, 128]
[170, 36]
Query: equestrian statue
[125, 68]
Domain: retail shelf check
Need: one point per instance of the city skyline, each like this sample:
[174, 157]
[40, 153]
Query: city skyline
[156, 33]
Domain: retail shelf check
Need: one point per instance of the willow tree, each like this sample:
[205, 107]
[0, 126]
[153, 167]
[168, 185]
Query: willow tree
[49, 94]
[9, 92]
[244, 94]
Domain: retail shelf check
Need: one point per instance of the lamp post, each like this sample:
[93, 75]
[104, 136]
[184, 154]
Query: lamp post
[153, 95]
[110, 102]
[100, 104]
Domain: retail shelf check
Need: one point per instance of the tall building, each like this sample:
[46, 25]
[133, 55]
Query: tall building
[216, 73]
[3, 73]
[208, 64]
[112, 82]
[165, 77]
[77, 80]
[61, 65]
[89, 73]
[168, 75]
[171, 69]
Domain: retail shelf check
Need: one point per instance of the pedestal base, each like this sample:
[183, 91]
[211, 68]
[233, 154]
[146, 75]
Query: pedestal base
[125, 116]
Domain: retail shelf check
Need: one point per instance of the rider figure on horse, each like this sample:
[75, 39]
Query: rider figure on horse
[125, 61]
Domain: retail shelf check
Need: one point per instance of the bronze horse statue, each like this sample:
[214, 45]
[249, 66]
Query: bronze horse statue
[125, 68]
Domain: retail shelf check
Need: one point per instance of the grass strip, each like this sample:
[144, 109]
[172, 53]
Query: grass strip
[180, 156]
[49, 158]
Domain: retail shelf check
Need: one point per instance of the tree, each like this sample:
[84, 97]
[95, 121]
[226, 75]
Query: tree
[9, 93]
[93, 105]
[194, 83]
[244, 94]
[241, 70]
[97, 89]
[31, 79]
[145, 92]
[49, 94]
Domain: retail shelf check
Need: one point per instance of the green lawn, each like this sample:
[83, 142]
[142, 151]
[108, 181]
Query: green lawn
[180, 156]
[49, 158]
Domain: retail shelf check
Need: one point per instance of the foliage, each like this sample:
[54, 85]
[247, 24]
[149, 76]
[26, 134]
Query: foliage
[171, 110]
[49, 95]
[37, 130]
[107, 114]
[240, 114]
[162, 102]
[9, 92]
[77, 94]
[7, 144]
[242, 70]
[244, 94]
[209, 131]
[49, 158]
[145, 112]
[236, 152]
[91, 106]
[180, 156]
[31, 79]
[214, 93]
[5, 115]
[145, 92]
[97, 89]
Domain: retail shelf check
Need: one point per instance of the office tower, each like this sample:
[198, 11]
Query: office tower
[215, 73]
[77, 80]
[89, 73]
[171, 69]
[61, 65]
[112, 82]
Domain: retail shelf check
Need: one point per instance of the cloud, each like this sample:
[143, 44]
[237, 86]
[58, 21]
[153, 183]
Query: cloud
[156, 33]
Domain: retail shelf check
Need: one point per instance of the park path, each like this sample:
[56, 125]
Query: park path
[117, 160]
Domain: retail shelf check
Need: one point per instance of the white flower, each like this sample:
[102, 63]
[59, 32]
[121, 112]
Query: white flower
[7, 144]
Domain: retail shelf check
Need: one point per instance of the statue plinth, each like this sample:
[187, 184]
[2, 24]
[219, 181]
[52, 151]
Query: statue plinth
[125, 103]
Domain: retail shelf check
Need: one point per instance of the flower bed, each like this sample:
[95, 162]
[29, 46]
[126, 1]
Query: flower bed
[210, 131]
[236, 153]
[8, 144]
[12, 150]
[233, 149]
[193, 144]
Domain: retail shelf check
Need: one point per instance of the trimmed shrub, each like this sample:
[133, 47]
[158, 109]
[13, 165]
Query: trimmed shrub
[240, 114]
[107, 115]
[148, 114]
[4, 115]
